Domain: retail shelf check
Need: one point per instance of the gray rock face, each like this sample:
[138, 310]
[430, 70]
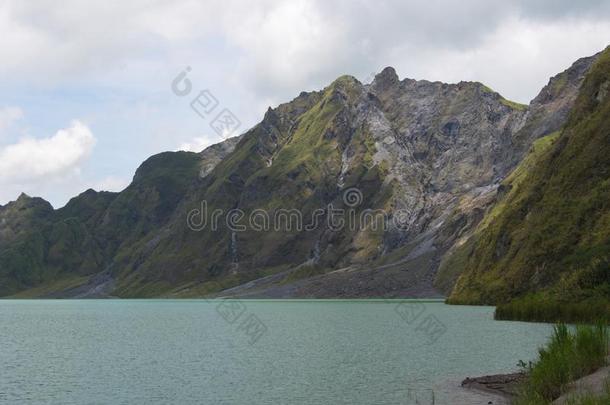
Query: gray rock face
[446, 147]
[441, 141]
[212, 155]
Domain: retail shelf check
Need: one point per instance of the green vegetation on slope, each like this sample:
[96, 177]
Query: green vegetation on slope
[47, 289]
[579, 296]
[513, 104]
[550, 231]
[290, 161]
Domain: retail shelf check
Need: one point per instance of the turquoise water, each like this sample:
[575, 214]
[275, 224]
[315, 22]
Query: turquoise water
[251, 352]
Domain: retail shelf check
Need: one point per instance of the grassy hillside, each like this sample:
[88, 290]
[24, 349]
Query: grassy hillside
[548, 236]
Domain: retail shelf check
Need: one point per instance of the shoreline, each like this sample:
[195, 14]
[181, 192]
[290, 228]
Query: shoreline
[506, 386]
[501, 385]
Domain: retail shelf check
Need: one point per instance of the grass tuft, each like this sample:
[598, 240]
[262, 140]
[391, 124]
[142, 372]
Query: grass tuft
[568, 356]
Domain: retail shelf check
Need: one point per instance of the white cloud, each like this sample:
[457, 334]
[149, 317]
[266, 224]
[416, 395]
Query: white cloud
[290, 43]
[196, 144]
[33, 159]
[111, 183]
[251, 55]
[274, 49]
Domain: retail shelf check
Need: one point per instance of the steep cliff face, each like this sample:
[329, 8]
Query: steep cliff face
[409, 166]
[547, 113]
[549, 231]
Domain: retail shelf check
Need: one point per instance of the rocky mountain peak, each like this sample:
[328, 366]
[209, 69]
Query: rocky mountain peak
[24, 201]
[385, 79]
[23, 197]
[344, 88]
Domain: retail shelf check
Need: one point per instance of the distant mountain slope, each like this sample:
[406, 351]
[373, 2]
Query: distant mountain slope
[39, 245]
[549, 232]
[428, 156]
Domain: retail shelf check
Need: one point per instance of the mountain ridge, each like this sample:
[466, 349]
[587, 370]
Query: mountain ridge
[434, 150]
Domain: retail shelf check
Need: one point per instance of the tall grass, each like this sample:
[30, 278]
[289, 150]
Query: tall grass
[567, 357]
[541, 309]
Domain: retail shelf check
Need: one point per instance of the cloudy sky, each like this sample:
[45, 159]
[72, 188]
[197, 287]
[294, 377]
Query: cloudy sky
[86, 87]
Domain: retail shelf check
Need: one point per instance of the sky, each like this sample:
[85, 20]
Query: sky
[89, 90]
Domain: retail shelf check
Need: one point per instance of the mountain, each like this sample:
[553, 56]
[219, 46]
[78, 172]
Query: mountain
[548, 234]
[356, 190]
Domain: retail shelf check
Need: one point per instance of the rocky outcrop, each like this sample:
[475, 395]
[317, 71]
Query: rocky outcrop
[211, 156]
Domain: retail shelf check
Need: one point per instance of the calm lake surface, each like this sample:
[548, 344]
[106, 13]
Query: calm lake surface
[251, 352]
